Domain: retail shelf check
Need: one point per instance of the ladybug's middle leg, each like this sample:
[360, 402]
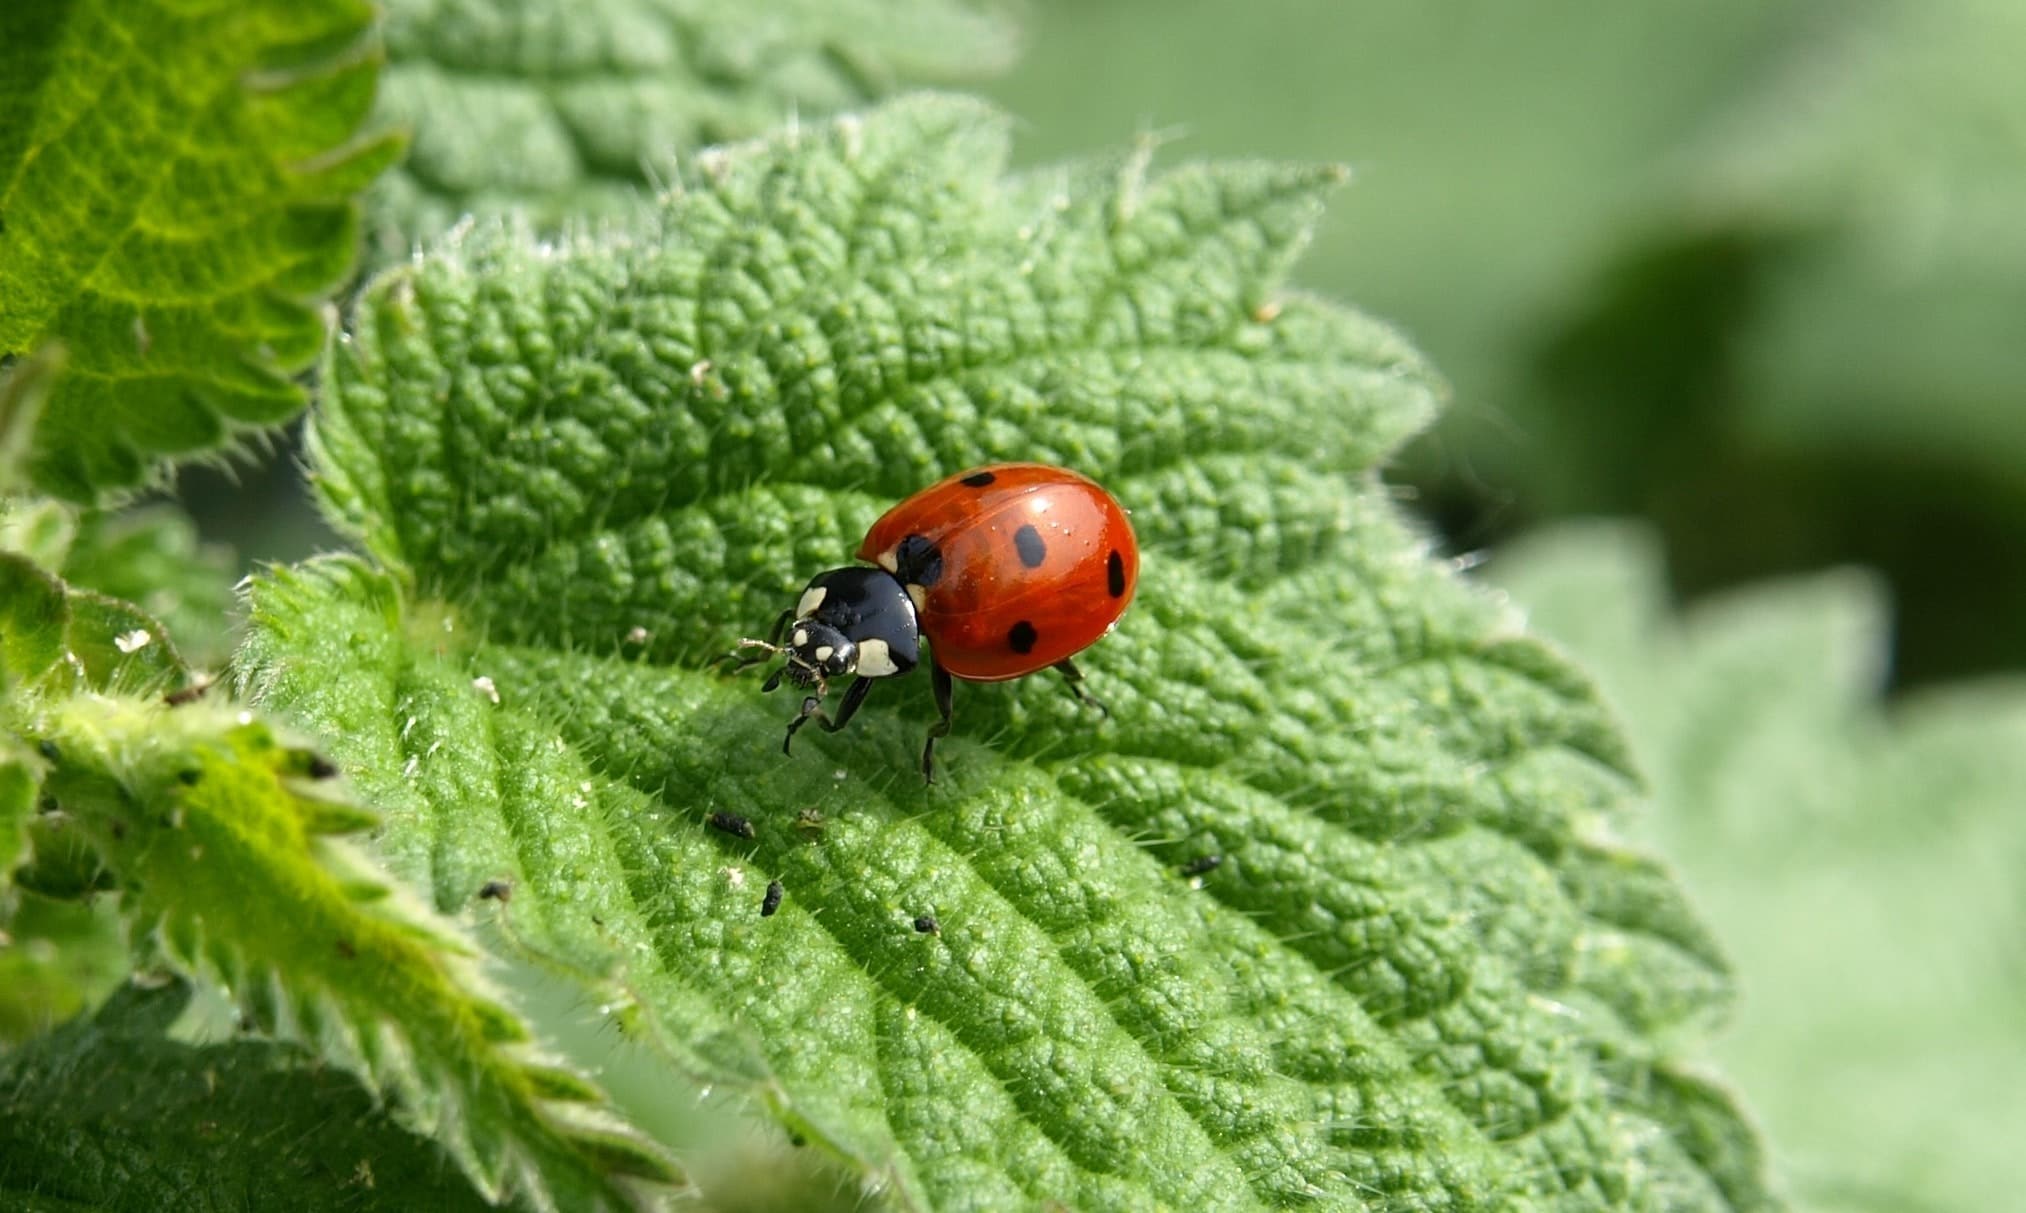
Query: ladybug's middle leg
[1074, 677]
[939, 685]
[812, 709]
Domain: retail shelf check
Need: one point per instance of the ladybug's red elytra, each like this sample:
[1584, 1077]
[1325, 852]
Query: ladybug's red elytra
[1005, 569]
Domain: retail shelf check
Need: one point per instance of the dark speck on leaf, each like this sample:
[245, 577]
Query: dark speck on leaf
[322, 768]
[772, 901]
[1202, 864]
[928, 925]
[189, 694]
[497, 890]
[731, 823]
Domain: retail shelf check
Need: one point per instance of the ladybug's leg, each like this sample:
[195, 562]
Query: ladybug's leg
[812, 709]
[939, 685]
[1074, 677]
[739, 658]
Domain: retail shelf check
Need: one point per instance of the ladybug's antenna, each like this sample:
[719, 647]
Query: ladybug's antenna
[795, 667]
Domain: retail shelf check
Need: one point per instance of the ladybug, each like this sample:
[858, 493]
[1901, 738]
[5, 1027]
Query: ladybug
[1005, 570]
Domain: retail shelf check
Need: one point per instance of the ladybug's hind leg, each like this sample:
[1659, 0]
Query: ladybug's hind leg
[1074, 677]
[812, 709]
[939, 685]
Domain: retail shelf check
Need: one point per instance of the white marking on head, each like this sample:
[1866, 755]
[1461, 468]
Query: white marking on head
[875, 659]
[801, 637]
[811, 599]
[823, 652]
[889, 559]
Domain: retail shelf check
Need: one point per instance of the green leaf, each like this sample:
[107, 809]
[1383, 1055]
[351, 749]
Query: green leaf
[150, 556]
[211, 828]
[176, 194]
[154, 558]
[57, 958]
[592, 97]
[1862, 861]
[1423, 975]
[110, 1113]
[33, 615]
[65, 639]
[20, 783]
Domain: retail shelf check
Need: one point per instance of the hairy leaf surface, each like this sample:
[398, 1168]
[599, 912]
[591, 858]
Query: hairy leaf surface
[1422, 976]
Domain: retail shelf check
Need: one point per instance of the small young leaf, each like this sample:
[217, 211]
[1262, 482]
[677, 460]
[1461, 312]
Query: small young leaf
[119, 648]
[1423, 975]
[154, 559]
[67, 638]
[176, 190]
[1865, 862]
[591, 96]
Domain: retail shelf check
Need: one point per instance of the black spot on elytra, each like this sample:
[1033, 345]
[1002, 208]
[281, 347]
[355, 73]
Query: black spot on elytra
[979, 480]
[918, 561]
[1028, 542]
[1022, 637]
[1115, 574]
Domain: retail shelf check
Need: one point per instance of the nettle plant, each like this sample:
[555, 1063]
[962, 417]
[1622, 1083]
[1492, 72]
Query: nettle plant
[1327, 913]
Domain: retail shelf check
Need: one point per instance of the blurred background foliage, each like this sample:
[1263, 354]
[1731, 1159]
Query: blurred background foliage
[1754, 271]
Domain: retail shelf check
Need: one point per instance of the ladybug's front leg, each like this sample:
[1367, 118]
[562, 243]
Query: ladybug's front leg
[939, 685]
[812, 709]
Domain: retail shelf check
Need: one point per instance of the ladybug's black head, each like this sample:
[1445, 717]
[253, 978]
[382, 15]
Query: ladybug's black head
[817, 652]
[849, 621]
